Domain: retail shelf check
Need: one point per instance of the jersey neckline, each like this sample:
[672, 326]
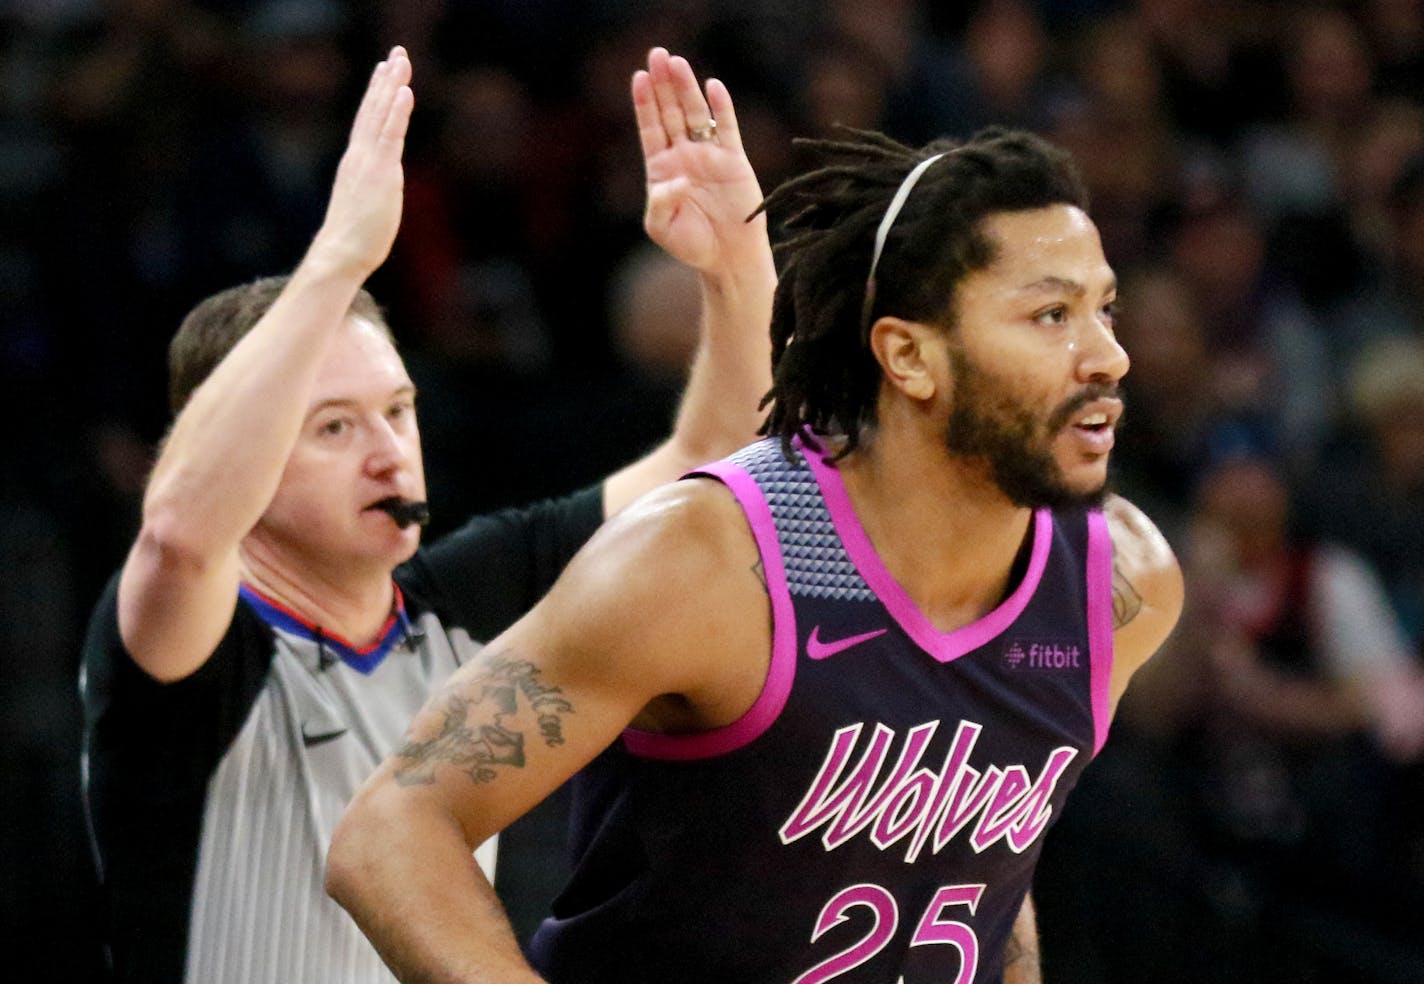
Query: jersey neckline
[943, 646]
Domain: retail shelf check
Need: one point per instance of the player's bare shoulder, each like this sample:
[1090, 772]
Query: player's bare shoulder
[682, 529]
[1147, 583]
[673, 584]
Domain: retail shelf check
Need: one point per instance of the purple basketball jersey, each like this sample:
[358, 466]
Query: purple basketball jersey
[877, 814]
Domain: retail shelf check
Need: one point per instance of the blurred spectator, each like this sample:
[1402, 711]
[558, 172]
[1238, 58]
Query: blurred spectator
[1387, 139]
[478, 221]
[1289, 676]
[1171, 394]
[656, 306]
[1393, 303]
[1295, 165]
[846, 85]
[930, 93]
[1370, 490]
[1395, 29]
[1297, 635]
[1267, 347]
[257, 188]
[1116, 125]
[1006, 51]
[1220, 72]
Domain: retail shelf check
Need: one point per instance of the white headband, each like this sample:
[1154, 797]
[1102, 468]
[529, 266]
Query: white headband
[896, 203]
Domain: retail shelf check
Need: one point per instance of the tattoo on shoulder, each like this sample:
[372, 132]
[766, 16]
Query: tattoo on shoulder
[479, 727]
[760, 573]
[1127, 603]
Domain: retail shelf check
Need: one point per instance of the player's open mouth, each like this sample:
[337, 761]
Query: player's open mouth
[1095, 428]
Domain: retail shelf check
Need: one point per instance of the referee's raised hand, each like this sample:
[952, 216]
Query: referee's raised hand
[364, 211]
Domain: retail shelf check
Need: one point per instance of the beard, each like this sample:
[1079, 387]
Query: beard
[988, 424]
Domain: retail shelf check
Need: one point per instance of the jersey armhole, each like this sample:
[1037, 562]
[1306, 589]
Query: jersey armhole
[1100, 624]
[781, 671]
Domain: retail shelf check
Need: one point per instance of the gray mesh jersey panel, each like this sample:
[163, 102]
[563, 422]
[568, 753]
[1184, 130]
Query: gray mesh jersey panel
[259, 906]
[817, 565]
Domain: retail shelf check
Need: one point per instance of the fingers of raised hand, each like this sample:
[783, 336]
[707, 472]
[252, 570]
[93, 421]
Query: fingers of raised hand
[677, 104]
[398, 118]
[720, 101]
[692, 107]
[389, 78]
[665, 94]
[645, 109]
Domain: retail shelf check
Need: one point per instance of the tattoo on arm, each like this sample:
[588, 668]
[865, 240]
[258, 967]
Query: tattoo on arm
[1127, 603]
[476, 735]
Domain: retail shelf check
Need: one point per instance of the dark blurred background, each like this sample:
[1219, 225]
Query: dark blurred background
[1257, 171]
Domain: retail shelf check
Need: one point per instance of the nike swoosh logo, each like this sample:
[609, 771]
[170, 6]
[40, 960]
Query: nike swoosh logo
[816, 649]
[313, 738]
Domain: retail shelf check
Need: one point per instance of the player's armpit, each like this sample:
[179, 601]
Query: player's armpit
[1021, 961]
[1147, 589]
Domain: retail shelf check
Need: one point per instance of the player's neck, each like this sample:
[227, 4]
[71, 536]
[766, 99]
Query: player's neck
[943, 530]
[353, 605]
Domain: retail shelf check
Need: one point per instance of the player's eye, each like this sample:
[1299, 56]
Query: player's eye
[1055, 315]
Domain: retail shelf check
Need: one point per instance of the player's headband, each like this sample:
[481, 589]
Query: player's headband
[896, 203]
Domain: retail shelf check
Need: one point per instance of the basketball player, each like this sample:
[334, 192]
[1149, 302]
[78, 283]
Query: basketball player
[826, 696]
[256, 657]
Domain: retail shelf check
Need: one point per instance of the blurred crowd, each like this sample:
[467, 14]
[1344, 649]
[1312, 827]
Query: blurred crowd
[1257, 172]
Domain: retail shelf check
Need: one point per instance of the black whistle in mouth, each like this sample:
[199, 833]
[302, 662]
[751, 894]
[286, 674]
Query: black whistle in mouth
[405, 513]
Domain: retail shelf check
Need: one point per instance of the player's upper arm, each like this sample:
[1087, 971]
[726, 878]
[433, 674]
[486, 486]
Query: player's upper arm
[173, 606]
[1147, 588]
[660, 608]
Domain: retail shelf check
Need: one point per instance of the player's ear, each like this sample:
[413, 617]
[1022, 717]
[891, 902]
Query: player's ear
[908, 353]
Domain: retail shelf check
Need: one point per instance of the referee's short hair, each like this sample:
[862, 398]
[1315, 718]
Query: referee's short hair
[217, 323]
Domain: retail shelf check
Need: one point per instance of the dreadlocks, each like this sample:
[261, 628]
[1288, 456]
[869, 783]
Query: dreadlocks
[826, 220]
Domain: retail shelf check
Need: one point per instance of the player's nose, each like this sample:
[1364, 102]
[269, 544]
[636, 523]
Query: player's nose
[1101, 357]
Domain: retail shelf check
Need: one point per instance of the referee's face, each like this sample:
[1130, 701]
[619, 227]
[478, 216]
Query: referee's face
[359, 445]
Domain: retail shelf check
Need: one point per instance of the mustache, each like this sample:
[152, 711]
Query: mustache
[1088, 394]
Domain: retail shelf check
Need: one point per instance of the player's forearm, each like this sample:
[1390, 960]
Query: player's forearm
[220, 465]
[730, 374]
[404, 871]
[1021, 963]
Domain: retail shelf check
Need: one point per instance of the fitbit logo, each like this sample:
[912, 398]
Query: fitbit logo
[1043, 655]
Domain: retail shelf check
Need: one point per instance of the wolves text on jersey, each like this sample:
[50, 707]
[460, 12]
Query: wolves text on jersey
[926, 806]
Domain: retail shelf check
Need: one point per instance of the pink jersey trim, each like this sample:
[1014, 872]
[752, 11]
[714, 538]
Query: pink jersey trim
[1100, 624]
[782, 671]
[943, 646]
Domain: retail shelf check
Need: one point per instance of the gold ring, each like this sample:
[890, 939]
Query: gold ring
[699, 134]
